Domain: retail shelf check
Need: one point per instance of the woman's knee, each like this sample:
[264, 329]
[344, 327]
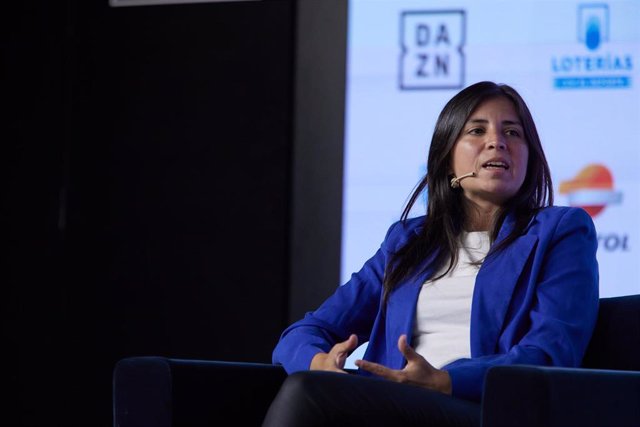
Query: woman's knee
[298, 385]
[296, 404]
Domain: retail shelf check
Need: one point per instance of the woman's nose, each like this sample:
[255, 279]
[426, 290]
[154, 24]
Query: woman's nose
[497, 141]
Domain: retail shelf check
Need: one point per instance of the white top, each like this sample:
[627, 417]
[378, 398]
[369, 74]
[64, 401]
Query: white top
[443, 315]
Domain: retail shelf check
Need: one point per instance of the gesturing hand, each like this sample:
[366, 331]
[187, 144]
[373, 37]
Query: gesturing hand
[417, 370]
[335, 359]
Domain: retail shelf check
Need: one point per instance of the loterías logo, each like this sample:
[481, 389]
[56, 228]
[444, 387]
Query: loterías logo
[591, 64]
[592, 189]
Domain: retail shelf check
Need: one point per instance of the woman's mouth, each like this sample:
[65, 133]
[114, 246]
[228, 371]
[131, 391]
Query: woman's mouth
[496, 165]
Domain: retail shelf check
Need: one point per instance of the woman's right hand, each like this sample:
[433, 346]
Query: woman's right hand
[334, 360]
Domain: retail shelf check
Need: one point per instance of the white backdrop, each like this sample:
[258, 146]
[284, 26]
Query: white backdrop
[576, 65]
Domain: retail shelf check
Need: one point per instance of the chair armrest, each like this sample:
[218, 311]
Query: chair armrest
[519, 396]
[163, 392]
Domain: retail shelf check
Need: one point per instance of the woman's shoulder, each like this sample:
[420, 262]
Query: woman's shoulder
[407, 226]
[558, 212]
[563, 216]
[400, 232]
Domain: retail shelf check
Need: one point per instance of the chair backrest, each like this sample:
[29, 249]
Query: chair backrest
[616, 340]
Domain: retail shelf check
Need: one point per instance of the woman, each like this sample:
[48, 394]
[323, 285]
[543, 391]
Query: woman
[493, 274]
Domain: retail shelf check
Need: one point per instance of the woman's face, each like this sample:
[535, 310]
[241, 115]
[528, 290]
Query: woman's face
[491, 144]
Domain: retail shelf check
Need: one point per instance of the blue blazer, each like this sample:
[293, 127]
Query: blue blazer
[534, 302]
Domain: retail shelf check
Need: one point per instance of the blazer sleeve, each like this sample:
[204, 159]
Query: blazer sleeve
[351, 309]
[564, 308]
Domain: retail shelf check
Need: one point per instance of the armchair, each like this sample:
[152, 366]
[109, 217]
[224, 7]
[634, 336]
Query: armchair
[164, 392]
[605, 391]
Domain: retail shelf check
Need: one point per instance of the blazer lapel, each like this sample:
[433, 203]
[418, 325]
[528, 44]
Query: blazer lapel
[494, 288]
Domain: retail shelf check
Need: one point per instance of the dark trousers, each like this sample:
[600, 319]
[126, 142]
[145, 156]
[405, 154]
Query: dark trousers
[316, 398]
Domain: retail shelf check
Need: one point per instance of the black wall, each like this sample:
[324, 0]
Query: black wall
[147, 175]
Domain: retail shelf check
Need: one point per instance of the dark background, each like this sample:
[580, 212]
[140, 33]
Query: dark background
[171, 186]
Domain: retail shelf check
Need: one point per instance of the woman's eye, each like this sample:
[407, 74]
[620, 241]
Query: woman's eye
[512, 132]
[476, 131]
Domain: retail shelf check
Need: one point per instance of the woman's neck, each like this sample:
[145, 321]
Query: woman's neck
[480, 218]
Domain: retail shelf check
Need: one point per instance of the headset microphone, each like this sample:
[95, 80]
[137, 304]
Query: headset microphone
[455, 182]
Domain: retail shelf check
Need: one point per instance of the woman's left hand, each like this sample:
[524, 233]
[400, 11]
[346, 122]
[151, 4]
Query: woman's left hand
[416, 372]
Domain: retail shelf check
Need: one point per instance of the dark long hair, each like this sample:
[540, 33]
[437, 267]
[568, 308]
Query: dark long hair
[445, 213]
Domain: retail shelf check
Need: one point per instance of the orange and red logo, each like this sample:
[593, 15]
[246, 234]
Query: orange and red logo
[592, 189]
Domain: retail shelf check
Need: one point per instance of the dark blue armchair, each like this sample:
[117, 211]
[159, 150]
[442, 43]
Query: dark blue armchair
[163, 392]
[604, 392]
